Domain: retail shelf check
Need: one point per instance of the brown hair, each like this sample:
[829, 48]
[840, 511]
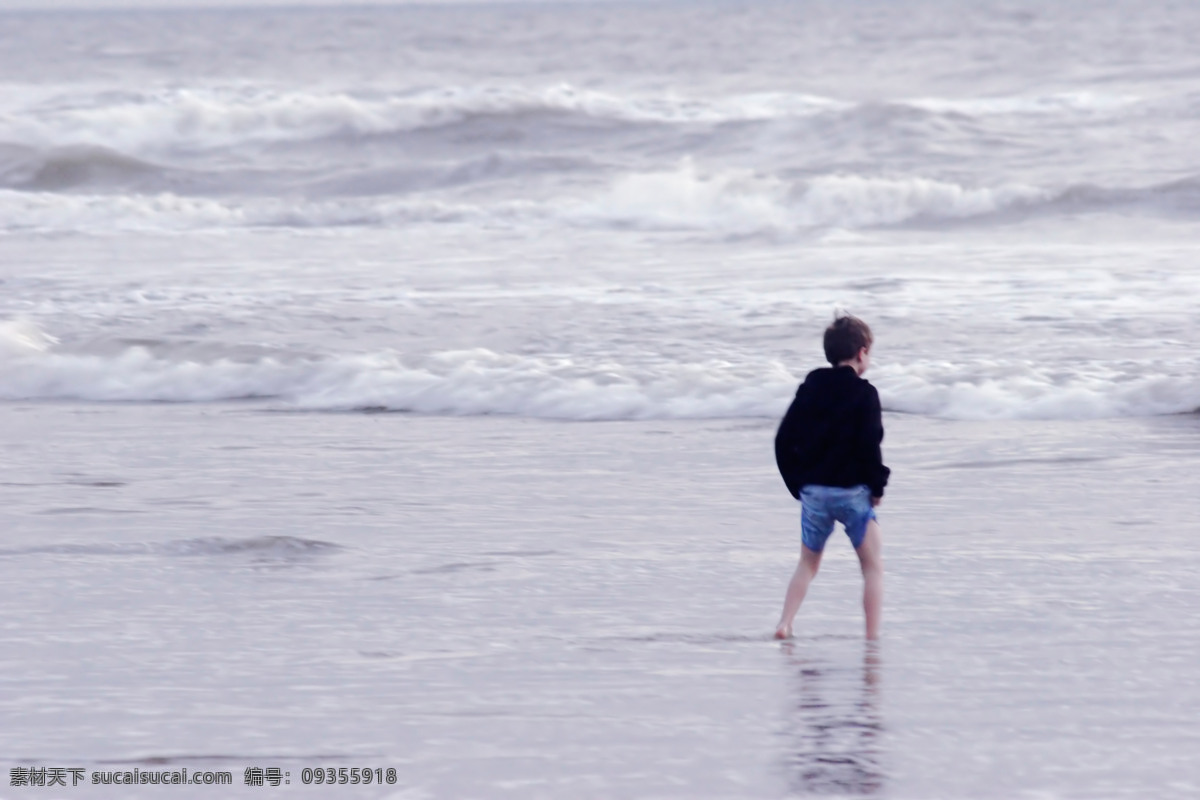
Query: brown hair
[845, 337]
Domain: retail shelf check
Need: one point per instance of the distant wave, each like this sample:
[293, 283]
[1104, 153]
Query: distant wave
[480, 382]
[687, 198]
[241, 156]
[196, 119]
[723, 202]
[62, 168]
[1180, 196]
[166, 211]
[82, 169]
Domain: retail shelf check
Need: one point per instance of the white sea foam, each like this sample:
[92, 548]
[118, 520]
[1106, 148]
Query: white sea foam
[173, 212]
[1089, 102]
[682, 198]
[455, 382]
[687, 197]
[22, 338]
[991, 390]
[480, 382]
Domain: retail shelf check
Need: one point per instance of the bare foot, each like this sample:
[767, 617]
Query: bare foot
[783, 633]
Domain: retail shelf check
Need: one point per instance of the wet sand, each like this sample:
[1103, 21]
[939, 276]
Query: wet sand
[501, 607]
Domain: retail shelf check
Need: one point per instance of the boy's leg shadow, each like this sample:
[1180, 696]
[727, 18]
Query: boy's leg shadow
[833, 726]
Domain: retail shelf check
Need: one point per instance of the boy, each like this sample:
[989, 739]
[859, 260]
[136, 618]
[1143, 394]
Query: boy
[827, 449]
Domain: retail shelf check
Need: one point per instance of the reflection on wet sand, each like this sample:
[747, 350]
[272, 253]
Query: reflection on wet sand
[833, 726]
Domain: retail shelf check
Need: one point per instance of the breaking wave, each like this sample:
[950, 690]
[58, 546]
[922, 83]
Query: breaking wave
[192, 119]
[481, 382]
[743, 200]
[221, 117]
[78, 169]
[686, 198]
[64, 168]
[251, 156]
[985, 390]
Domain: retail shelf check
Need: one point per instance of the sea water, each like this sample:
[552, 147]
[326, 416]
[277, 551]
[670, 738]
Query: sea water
[394, 387]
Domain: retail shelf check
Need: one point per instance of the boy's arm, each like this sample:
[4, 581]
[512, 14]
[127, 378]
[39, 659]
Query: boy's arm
[870, 454]
[786, 440]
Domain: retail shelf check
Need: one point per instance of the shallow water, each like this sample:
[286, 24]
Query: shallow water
[505, 607]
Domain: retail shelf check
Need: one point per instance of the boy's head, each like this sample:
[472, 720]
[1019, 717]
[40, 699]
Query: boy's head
[846, 338]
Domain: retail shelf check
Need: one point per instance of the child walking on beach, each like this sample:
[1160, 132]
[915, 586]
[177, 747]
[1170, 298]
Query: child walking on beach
[827, 449]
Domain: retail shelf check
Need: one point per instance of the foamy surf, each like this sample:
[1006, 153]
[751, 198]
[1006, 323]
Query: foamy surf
[719, 202]
[22, 338]
[517, 154]
[1029, 391]
[225, 116]
[586, 388]
[715, 202]
[690, 198]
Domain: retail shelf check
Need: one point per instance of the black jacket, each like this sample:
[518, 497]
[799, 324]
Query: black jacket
[831, 433]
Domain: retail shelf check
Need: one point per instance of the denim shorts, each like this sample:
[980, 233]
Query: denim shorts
[821, 506]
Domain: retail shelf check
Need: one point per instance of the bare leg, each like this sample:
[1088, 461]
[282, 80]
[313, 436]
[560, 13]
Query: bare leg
[806, 570]
[870, 557]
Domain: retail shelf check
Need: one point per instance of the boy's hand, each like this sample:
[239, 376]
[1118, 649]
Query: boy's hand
[876, 501]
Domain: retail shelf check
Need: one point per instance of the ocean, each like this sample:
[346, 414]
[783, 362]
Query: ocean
[393, 387]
